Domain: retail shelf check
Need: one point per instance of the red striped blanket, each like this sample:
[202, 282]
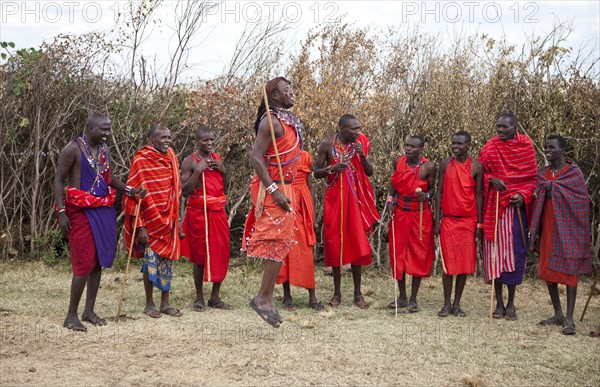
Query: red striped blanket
[159, 174]
[513, 162]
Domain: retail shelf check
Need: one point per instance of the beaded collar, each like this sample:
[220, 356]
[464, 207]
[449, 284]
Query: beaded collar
[341, 152]
[100, 164]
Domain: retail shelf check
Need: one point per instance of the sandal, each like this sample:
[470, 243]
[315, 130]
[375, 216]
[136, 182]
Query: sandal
[360, 302]
[498, 313]
[269, 317]
[289, 305]
[335, 301]
[94, 319]
[511, 314]
[444, 312]
[317, 306]
[169, 310]
[457, 312]
[568, 329]
[76, 326]
[199, 306]
[219, 305]
[402, 303]
[413, 307]
[152, 311]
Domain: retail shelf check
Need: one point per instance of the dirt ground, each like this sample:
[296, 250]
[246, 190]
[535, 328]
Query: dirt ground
[346, 346]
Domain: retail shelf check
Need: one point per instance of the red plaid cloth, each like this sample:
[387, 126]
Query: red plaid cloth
[571, 245]
[513, 162]
[81, 241]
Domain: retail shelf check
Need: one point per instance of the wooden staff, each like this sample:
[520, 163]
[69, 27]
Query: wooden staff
[521, 223]
[592, 290]
[442, 256]
[494, 253]
[341, 175]
[394, 266]
[206, 228]
[418, 191]
[273, 137]
[135, 222]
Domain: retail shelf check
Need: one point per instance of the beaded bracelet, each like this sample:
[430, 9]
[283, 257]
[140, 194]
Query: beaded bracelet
[480, 225]
[272, 188]
[128, 190]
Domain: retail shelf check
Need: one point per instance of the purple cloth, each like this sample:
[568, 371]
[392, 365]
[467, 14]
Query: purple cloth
[520, 251]
[103, 220]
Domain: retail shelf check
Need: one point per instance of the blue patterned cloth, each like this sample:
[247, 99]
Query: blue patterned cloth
[160, 270]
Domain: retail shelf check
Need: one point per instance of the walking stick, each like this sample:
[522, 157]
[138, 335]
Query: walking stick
[494, 253]
[592, 290]
[418, 191]
[442, 256]
[521, 223]
[273, 137]
[206, 227]
[394, 266]
[342, 160]
[135, 222]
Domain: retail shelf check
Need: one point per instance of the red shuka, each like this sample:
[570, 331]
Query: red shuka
[193, 245]
[409, 254]
[272, 235]
[299, 267]
[513, 162]
[360, 212]
[459, 218]
[159, 174]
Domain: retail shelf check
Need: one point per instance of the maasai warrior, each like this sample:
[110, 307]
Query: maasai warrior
[561, 215]
[344, 160]
[299, 266]
[269, 229]
[459, 219]
[86, 214]
[411, 188]
[509, 168]
[156, 237]
[207, 165]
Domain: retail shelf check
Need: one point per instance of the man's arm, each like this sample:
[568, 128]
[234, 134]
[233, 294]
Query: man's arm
[430, 176]
[322, 161]
[117, 184]
[190, 175]
[438, 196]
[312, 196]
[478, 176]
[66, 161]
[261, 144]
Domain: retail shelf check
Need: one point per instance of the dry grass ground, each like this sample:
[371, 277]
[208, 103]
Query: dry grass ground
[346, 346]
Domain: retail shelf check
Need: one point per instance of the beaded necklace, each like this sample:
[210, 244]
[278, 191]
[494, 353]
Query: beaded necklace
[341, 152]
[100, 164]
